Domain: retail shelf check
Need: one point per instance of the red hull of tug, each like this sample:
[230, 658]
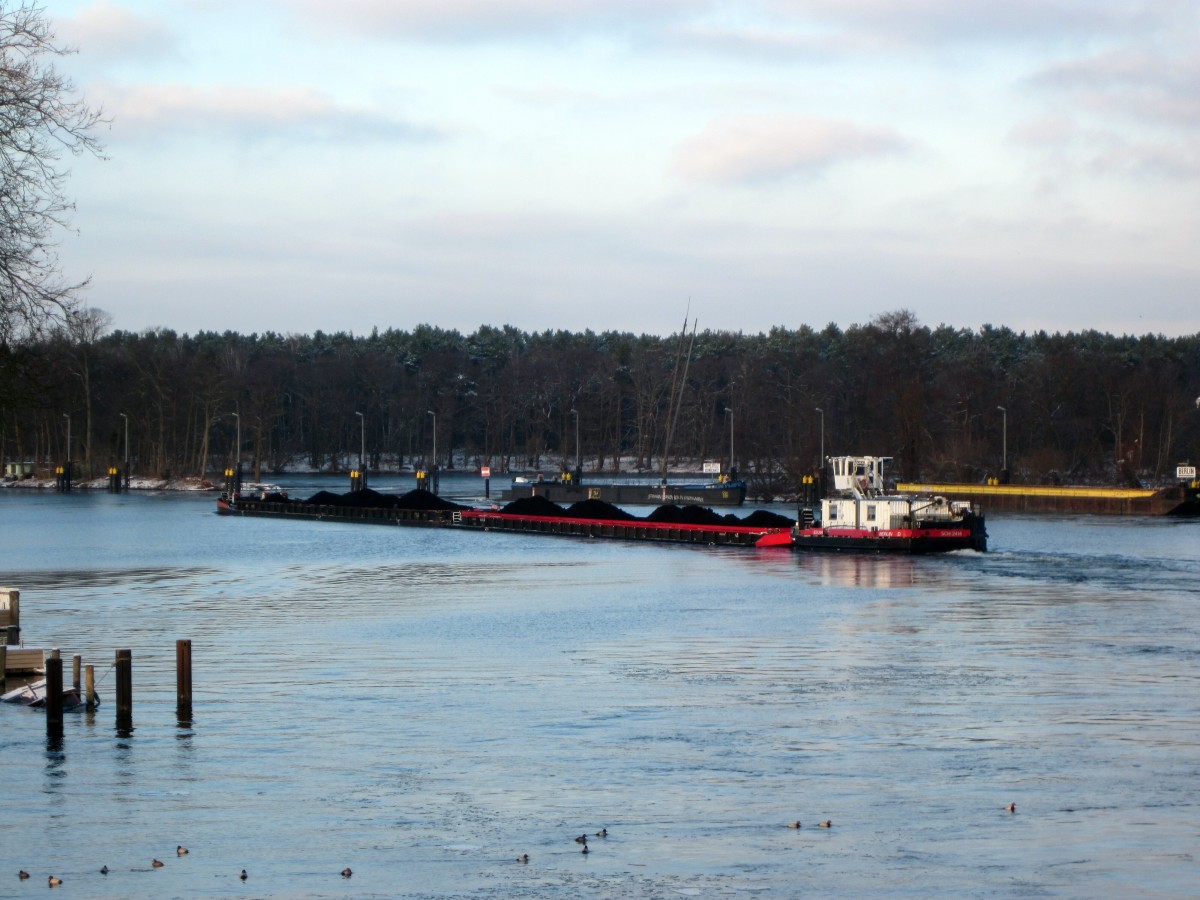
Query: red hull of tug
[900, 540]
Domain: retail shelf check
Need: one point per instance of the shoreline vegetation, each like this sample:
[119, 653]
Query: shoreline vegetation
[949, 405]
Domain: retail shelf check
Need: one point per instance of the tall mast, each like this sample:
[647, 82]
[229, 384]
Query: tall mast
[677, 396]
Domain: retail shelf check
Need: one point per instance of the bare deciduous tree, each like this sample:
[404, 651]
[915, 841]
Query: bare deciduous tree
[40, 119]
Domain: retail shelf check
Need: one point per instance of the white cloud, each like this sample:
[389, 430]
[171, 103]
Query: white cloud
[476, 18]
[110, 32]
[753, 149]
[248, 113]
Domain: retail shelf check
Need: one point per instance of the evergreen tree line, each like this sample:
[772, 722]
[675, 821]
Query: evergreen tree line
[948, 404]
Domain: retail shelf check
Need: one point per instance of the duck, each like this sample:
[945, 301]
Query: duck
[243, 876]
[181, 850]
[55, 881]
[828, 823]
[158, 863]
[523, 858]
[602, 833]
[585, 849]
[795, 824]
[22, 874]
[346, 873]
[582, 839]
[1012, 807]
[104, 870]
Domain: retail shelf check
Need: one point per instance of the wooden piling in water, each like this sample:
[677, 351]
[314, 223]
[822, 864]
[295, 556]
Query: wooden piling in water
[124, 666]
[183, 678]
[76, 669]
[3, 668]
[10, 615]
[90, 684]
[54, 695]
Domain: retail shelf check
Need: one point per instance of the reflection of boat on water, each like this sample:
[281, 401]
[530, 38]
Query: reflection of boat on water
[34, 694]
[567, 490]
[895, 570]
[865, 517]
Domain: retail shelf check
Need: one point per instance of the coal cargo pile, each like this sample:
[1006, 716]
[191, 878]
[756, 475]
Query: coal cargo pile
[598, 509]
[685, 515]
[424, 500]
[534, 506]
[763, 518]
[324, 498]
[364, 499]
[369, 499]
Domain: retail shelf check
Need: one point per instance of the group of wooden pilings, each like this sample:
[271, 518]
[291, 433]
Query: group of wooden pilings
[123, 665]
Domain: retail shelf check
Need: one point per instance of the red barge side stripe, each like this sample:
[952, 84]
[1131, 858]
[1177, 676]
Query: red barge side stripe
[483, 516]
[894, 534]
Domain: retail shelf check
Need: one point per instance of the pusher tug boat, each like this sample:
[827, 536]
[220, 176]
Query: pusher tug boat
[863, 516]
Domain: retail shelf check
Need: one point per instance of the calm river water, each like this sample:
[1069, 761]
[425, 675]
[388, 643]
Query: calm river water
[425, 706]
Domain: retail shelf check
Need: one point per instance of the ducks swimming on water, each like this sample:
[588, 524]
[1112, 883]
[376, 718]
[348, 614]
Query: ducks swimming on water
[795, 824]
[158, 864]
[181, 850]
[22, 874]
[828, 823]
[104, 870]
[55, 881]
[582, 839]
[1012, 807]
[346, 873]
[602, 833]
[243, 876]
[523, 858]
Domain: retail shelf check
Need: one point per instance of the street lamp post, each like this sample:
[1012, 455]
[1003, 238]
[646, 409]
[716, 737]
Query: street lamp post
[732, 458]
[67, 416]
[237, 456]
[432, 413]
[1004, 443]
[822, 412]
[433, 468]
[578, 451]
[362, 439]
[126, 472]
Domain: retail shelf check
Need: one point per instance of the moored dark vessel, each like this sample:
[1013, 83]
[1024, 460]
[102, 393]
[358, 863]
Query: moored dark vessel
[1181, 500]
[708, 493]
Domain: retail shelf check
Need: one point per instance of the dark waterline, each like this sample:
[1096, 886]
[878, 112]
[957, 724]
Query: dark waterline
[425, 706]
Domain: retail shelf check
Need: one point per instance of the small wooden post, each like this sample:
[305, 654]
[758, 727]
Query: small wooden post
[76, 668]
[54, 695]
[3, 668]
[12, 620]
[183, 678]
[90, 684]
[124, 668]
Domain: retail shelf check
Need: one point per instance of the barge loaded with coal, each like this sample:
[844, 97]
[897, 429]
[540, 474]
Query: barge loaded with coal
[861, 518]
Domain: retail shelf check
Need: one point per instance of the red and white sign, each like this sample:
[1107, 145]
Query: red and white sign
[485, 471]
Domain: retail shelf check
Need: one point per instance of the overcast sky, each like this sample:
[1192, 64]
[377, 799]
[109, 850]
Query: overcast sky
[293, 165]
